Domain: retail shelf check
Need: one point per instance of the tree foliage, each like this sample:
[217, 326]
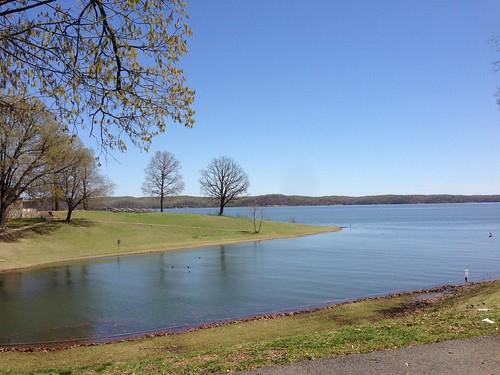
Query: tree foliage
[223, 180]
[113, 64]
[163, 176]
[30, 139]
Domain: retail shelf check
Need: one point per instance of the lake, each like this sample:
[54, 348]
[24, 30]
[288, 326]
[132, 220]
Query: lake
[382, 249]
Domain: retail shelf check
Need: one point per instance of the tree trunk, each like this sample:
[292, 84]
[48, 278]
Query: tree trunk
[55, 202]
[161, 203]
[3, 216]
[68, 215]
[55, 198]
[85, 198]
[221, 208]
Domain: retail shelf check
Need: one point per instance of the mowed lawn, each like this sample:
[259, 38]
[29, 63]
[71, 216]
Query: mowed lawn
[352, 328]
[96, 233]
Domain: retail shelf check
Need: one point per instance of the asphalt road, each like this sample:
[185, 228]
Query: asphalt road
[477, 356]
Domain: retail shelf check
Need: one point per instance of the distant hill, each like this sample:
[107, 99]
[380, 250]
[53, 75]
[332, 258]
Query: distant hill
[288, 200]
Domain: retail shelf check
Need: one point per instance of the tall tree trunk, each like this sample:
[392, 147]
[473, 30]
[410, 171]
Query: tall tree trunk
[161, 202]
[221, 208]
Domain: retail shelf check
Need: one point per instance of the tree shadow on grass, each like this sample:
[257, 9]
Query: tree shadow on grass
[80, 223]
[44, 229]
[247, 232]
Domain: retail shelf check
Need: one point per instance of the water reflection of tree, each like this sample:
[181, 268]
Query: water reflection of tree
[222, 259]
[232, 278]
[163, 266]
[9, 282]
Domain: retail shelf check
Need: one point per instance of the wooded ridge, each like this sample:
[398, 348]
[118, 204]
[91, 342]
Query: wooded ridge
[288, 200]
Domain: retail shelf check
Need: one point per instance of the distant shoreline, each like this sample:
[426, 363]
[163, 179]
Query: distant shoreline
[280, 200]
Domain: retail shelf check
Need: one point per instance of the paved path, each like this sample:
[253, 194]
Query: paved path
[477, 356]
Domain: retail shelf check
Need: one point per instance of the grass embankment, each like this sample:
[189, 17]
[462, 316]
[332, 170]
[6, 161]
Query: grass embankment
[95, 234]
[350, 328]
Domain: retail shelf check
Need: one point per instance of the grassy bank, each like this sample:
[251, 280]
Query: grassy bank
[350, 328]
[95, 234]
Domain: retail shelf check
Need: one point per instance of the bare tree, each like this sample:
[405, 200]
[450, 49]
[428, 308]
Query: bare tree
[111, 63]
[82, 180]
[29, 140]
[223, 180]
[163, 176]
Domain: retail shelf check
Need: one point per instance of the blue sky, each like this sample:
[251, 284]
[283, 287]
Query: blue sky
[339, 98]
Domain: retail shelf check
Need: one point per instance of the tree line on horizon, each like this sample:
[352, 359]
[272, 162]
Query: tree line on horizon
[183, 201]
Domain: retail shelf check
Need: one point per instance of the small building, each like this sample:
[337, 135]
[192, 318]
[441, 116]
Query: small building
[17, 211]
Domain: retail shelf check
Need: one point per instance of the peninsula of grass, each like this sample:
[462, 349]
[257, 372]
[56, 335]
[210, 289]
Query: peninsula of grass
[96, 234]
[359, 327]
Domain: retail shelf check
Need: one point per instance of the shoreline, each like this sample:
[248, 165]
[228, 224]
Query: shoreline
[335, 200]
[56, 346]
[187, 247]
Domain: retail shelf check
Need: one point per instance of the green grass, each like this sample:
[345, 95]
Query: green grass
[351, 328]
[95, 233]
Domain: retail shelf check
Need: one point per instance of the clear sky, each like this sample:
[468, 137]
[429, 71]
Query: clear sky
[339, 97]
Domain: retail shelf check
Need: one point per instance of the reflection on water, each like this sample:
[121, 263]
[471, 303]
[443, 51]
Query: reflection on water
[388, 248]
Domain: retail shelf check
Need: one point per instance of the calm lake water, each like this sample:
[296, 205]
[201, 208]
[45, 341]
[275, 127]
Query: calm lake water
[384, 248]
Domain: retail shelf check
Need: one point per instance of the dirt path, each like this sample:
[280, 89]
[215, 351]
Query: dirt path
[9, 233]
[478, 356]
